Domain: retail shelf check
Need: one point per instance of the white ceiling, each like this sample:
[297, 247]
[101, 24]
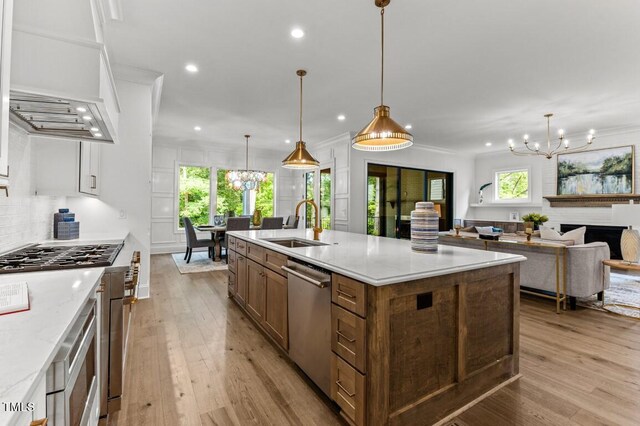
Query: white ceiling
[461, 72]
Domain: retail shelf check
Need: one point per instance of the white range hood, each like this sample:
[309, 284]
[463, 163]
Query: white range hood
[62, 87]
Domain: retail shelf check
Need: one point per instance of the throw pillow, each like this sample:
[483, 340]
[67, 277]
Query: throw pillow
[484, 229]
[577, 235]
[469, 229]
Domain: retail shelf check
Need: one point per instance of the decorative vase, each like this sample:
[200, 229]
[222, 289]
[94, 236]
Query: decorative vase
[257, 217]
[424, 228]
[630, 245]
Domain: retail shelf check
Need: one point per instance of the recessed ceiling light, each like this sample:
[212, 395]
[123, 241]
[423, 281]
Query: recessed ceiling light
[488, 144]
[86, 117]
[408, 126]
[95, 129]
[80, 109]
[197, 128]
[191, 68]
[341, 117]
[297, 33]
[287, 141]
[98, 135]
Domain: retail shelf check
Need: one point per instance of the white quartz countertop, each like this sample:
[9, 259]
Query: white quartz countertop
[30, 339]
[91, 238]
[376, 260]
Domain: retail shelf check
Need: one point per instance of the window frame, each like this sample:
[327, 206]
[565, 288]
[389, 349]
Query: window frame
[176, 197]
[496, 185]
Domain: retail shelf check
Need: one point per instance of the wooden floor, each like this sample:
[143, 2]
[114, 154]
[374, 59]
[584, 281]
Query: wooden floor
[195, 359]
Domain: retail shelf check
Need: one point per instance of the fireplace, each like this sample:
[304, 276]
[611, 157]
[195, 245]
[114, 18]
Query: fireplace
[608, 234]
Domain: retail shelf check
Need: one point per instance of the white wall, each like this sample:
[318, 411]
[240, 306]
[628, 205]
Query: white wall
[126, 177]
[165, 236]
[462, 167]
[24, 217]
[543, 175]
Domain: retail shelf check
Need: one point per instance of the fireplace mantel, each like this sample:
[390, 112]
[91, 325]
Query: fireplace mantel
[590, 200]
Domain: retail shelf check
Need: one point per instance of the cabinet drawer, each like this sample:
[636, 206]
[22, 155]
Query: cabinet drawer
[348, 337]
[232, 283]
[348, 390]
[241, 247]
[232, 260]
[255, 252]
[232, 243]
[350, 294]
[275, 261]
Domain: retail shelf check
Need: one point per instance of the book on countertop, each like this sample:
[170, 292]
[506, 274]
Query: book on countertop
[14, 297]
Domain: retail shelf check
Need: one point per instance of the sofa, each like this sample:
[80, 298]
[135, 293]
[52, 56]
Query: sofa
[585, 273]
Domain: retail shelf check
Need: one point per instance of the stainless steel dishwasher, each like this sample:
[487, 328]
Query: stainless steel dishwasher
[310, 321]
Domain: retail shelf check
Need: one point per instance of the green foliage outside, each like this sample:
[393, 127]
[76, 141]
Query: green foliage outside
[373, 227]
[194, 187]
[618, 165]
[227, 199]
[513, 185]
[536, 218]
[310, 215]
[325, 200]
[264, 197]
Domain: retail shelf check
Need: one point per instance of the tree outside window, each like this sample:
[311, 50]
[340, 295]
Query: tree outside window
[231, 200]
[194, 189]
[512, 185]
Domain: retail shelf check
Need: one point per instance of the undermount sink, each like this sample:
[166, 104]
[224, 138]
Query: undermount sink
[294, 242]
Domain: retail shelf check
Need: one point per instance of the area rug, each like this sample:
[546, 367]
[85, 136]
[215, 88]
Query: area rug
[624, 290]
[200, 262]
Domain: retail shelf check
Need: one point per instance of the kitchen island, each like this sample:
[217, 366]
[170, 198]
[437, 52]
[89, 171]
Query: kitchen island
[413, 338]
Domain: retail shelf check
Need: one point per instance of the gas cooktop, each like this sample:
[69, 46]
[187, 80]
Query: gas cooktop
[50, 258]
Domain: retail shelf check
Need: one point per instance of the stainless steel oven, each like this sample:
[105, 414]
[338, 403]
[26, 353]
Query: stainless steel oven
[72, 380]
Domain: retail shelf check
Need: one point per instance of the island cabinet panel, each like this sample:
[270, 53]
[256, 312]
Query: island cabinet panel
[232, 284]
[436, 344]
[256, 290]
[276, 310]
[231, 244]
[241, 280]
[241, 247]
[348, 390]
[255, 253]
[275, 261]
[350, 294]
[231, 260]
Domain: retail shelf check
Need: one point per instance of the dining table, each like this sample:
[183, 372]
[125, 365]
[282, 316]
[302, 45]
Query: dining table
[217, 234]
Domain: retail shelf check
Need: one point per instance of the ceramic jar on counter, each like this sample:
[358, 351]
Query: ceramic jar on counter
[424, 228]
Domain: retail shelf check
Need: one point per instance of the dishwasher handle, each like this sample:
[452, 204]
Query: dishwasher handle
[318, 283]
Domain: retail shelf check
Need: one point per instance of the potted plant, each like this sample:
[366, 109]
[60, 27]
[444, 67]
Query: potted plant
[537, 219]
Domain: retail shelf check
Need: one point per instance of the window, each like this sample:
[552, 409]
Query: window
[512, 185]
[194, 191]
[309, 212]
[325, 198]
[244, 202]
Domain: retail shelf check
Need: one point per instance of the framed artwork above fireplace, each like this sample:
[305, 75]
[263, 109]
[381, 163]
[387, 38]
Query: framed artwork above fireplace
[607, 171]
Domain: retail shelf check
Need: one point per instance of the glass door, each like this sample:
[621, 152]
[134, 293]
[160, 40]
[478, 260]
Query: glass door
[325, 199]
[309, 213]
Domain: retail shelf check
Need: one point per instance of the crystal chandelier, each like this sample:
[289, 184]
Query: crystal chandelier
[562, 146]
[242, 180]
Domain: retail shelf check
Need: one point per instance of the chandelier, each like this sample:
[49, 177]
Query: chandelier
[382, 133]
[242, 180]
[561, 146]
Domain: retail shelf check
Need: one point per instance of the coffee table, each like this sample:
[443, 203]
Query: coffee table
[628, 268]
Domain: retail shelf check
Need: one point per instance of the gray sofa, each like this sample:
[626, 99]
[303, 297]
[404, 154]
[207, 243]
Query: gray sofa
[585, 273]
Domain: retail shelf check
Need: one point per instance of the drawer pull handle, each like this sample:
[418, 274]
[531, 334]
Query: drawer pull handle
[339, 333]
[351, 395]
[342, 293]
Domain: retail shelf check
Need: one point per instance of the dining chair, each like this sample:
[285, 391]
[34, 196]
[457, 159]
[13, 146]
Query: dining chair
[271, 223]
[233, 224]
[194, 242]
[292, 222]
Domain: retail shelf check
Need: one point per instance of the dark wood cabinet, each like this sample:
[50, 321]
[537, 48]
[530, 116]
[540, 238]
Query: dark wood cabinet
[241, 280]
[255, 290]
[276, 310]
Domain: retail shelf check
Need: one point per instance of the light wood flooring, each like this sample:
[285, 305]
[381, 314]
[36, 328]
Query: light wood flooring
[195, 359]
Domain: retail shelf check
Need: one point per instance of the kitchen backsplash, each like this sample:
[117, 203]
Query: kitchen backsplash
[24, 217]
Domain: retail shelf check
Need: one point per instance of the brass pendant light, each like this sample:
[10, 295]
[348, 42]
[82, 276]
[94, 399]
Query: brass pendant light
[300, 157]
[382, 133]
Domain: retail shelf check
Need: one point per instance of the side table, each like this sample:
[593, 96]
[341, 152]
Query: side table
[631, 268]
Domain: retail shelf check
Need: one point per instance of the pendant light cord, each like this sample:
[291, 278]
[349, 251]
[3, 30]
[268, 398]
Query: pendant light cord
[548, 134]
[300, 109]
[382, 57]
[246, 164]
